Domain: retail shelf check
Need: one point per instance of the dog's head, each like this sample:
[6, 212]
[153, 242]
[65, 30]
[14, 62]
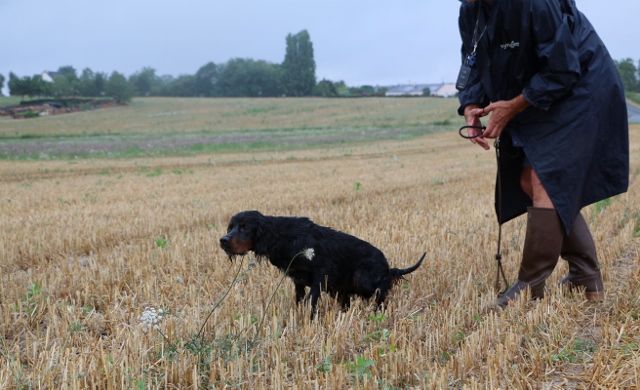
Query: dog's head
[242, 233]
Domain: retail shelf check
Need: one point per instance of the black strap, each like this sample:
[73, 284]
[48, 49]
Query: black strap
[500, 269]
[463, 128]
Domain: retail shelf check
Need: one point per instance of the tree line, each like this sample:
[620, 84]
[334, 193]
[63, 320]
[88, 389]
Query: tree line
[238, 77]
[630, 74]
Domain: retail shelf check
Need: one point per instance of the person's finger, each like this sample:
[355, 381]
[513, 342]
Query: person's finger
[484, 146]
[490, 131]
[482, 142]
[487, 110]
[489, 134]
[476, 112]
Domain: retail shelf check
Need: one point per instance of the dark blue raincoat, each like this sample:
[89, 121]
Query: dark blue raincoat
[575, 134]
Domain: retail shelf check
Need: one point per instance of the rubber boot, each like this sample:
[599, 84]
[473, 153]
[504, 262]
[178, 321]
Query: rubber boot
[542, 245]
[579, 250]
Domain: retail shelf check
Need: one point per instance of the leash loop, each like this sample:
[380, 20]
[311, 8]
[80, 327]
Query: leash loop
[465, 134]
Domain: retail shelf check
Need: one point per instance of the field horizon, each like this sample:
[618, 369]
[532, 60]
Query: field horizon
[189, 126]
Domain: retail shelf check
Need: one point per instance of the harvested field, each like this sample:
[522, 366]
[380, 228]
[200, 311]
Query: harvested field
[188, 115]
[86, 245]
[169, 126]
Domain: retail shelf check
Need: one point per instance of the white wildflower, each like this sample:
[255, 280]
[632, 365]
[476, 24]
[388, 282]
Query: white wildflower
[151, 318]
[309, 253]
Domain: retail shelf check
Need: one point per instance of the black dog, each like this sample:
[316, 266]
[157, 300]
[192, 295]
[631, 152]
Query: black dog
[315, 256]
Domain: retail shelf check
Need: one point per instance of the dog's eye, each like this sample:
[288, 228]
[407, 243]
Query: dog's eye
[242, 226]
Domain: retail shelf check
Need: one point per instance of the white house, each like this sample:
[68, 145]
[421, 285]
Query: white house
[446, 90]
[410, 89]
[48, 76]
[442, 90]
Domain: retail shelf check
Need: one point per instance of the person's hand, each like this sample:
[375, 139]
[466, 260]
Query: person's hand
[472, 117]
[502, 112]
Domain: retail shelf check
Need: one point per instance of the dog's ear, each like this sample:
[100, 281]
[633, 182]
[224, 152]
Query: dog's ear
[260, 229]
[263, 236]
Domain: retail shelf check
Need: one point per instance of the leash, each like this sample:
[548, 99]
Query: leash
[500, 269]
[463, 131]
[219, 301]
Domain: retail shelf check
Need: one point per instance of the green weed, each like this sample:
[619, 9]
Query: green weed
[162, 242]
[378, 335]
[377, 317]
[76, 327]
[602, 205]
[578, 351]
[325, 366]
[360, 367]
[458, 337]
[33, 298]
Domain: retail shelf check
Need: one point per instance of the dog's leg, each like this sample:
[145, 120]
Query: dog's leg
[381, 295]
[345, 301]
[315, 293]
[300, 292]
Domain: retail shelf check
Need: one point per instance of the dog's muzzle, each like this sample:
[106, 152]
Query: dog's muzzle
[225, 243]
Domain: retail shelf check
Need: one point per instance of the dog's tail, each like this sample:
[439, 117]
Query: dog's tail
[399, 272]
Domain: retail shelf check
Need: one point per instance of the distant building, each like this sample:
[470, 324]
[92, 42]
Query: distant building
[48, 76]
[410, 89]
[446, 90]
[441, 89]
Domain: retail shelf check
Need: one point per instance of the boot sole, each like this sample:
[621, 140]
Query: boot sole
[591, 296]
[595, 296]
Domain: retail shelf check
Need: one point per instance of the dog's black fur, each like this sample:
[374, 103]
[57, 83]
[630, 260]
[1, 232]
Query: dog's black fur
[342, 265]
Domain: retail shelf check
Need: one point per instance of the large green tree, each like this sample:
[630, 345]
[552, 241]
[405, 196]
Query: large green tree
[92, 84]
[69, 72]
[144, 81]
[119, 88]
[207, 78]
[325, 88]
[247, 77]
[62, 86]
[1, 83]
[28, 86]
[65, 81]
[86, 83]
[628, 73]
[299, 66]
[16, 85]
[183, 85]
[100, 83]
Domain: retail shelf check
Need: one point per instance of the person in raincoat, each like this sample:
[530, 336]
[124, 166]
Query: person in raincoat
[557, 108]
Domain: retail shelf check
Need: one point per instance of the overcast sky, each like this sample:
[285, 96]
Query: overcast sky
[358, 41]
